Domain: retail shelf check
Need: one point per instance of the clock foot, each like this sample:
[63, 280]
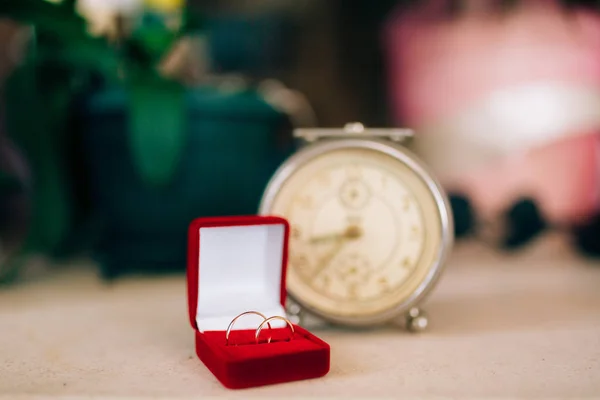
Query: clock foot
[294, 312]
[416, 320]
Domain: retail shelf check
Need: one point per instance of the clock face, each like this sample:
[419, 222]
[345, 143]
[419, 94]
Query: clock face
[365, 232]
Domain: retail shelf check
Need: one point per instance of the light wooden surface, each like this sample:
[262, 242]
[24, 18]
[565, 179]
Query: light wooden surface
[520, 325]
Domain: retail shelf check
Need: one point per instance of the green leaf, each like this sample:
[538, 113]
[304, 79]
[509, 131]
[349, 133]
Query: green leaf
[157, 127]
[58, 18]
[72, 44]
[153, 37]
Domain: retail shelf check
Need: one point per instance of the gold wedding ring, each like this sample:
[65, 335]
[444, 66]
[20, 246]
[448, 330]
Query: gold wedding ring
[267, 321]
[241, 315]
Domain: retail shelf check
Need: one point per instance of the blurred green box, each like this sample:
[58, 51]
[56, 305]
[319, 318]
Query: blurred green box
[234, 141]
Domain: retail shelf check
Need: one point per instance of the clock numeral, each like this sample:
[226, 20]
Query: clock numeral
[299, 262]
[405, 203]
[384, 284]
[353, 291]
[414, 232]
[296, 233]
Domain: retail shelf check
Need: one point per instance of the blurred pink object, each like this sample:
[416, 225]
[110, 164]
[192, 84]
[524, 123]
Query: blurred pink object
[525, 84]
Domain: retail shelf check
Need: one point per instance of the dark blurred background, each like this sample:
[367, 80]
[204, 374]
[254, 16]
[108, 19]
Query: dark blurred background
[102, 154]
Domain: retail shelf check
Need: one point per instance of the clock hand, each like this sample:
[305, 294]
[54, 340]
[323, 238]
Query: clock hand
[326, 238]
[352, 232]
[325, 261]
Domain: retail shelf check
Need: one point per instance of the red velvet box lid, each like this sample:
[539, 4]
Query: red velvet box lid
[236, 264]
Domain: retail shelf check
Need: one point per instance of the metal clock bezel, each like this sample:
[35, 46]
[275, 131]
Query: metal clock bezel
[403, 155]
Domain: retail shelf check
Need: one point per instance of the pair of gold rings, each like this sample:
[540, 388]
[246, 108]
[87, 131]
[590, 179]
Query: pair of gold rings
[266, 321]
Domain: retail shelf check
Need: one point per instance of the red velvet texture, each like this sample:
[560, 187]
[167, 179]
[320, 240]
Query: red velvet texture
[242, 363]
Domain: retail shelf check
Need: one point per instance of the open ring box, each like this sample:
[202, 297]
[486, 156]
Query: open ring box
[238, 264]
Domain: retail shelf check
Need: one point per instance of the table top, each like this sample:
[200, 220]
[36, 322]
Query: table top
[524, 324]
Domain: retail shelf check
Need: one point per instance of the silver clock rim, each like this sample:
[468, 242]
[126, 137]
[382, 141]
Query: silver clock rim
[305, 155]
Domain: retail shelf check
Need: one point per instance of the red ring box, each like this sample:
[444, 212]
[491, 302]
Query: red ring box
[238, 264]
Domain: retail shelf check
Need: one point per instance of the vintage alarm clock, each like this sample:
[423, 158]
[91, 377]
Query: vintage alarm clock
[371, 228]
